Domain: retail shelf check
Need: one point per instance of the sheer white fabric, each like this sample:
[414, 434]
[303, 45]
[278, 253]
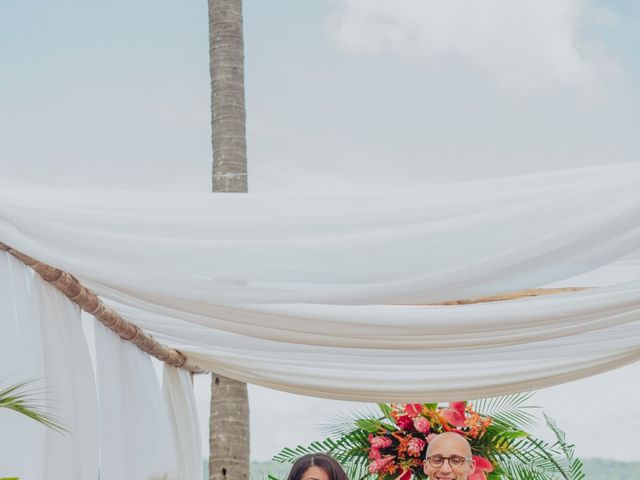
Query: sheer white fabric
[42, 339]
[179, 397]
[324, 296]
[135, 434]
[445, 242]
[546, 341]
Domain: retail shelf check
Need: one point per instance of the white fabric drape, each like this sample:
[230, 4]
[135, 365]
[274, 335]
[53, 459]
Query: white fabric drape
[41, 338]
[325, 296]
[453, 241]
[135, 434]
[179, 397]
[559, 339]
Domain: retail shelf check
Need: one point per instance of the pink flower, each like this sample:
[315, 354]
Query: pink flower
[404, 422]
[430, 437]
[405, 474]
[379, 442]
[415, 447]
[374, 454]
[421, 424]
[379, 464]
[413, 409]
[481, 465]
[454, 414]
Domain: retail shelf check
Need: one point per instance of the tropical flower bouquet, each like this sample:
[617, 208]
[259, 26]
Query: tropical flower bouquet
[391, 443]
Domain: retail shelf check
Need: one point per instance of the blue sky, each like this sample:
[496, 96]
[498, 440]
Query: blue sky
[117, 95]
[341, 94]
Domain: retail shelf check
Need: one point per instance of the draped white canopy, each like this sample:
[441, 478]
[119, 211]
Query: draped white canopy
[328, 296]
[127, 431]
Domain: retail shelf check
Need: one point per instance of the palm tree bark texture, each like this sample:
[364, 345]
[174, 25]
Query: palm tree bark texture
[229, 416]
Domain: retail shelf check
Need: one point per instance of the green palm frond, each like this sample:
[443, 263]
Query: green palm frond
[508, 409]
[290, 455]
[343, 423]
[347, 448]
[356, 471]
[515, 470]
[386, 411]
[29, 402]
[533, 459]
[568, 450]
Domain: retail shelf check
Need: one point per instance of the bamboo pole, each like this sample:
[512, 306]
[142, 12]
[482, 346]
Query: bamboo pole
[532, 292]
[88, 301]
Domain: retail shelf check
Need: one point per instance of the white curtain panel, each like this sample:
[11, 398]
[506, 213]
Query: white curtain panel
[41, 338]
[136, 442]
[179, 397]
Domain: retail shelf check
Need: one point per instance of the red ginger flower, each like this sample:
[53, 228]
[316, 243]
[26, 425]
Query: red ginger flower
[421, 424]
[380, 464]
[415, 447]
[482, 465]
[379, 442]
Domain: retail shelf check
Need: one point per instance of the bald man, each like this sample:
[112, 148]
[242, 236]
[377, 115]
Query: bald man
[448, 458]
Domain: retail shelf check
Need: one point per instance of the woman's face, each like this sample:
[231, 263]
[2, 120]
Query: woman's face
[315, 473]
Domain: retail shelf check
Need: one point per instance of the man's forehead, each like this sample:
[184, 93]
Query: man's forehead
[449, 445]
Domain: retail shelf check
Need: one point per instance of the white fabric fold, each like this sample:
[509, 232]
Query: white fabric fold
[41, 338]
[471, 354]
[183, 415]
[135, 434]
[420, 327]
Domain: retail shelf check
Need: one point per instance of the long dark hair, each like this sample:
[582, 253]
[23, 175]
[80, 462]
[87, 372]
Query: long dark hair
[322, 460]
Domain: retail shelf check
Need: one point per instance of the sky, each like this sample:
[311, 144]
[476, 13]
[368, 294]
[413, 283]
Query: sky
[341, 95]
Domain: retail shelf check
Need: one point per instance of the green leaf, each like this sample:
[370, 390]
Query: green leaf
[31, 403]
[371, 425]
[508, 410]
[344, 423]
[386, 410]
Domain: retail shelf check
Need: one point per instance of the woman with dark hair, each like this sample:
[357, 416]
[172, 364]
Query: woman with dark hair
[317, 466]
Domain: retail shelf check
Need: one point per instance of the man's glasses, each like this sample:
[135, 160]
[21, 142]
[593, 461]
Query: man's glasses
[455, 461]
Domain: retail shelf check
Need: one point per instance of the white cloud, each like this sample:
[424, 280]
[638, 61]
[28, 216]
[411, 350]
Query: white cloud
[523, 46]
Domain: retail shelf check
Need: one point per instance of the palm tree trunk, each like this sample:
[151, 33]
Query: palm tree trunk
[226, 49]
[229, 430]
[229, 420]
